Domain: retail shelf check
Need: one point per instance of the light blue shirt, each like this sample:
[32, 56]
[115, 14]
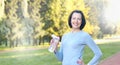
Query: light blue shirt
[72, 47]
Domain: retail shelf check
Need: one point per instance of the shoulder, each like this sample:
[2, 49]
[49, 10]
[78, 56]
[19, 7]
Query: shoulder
[85, 34]
[65, 34]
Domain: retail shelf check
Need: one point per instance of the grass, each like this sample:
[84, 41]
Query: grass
[108, 49]
[43, 57]
[34, 57]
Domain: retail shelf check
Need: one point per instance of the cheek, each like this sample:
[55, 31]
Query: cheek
[72, 21]
[80, 22]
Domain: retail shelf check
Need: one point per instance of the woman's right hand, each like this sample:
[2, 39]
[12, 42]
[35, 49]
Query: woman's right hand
[51, 41]
[56, 43]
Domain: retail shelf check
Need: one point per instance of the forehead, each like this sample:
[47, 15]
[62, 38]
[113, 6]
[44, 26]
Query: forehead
[75, 14]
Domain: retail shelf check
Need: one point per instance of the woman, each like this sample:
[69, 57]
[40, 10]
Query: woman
[73, 42]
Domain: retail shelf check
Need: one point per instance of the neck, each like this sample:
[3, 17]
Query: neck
[75, 30]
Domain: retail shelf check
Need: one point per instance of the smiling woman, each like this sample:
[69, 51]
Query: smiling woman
[74, 42]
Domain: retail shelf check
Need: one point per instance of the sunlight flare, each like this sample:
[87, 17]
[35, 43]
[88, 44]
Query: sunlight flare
[112, 11]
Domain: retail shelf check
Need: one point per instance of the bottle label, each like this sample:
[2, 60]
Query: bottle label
[54, 43]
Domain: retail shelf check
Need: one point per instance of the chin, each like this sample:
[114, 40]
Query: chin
[75, 27]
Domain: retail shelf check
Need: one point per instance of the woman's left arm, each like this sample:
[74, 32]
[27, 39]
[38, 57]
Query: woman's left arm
[93, 46]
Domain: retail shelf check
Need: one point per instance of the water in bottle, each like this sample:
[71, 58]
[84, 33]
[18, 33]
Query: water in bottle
[54, 43]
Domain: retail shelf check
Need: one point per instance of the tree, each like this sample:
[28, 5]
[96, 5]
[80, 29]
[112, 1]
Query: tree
[59, 11]
[93, 17]
[79, 5]
[105, 26]
[1, 9]
[11, 21]
[96, 17]
[34, 13]
[2, 32]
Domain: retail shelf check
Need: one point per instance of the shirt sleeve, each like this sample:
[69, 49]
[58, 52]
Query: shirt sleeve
[59, 54]
[97, 52]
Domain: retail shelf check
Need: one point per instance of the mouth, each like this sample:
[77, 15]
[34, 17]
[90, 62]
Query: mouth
[75, 24]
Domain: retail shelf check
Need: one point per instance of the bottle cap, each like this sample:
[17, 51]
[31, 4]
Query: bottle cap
[54, 36]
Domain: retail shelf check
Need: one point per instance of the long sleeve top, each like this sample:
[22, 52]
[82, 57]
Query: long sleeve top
[72, 47]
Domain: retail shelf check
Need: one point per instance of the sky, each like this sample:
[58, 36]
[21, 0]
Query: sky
[112, 11]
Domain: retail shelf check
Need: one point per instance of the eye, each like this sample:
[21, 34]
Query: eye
[73, 18]
[79, 18]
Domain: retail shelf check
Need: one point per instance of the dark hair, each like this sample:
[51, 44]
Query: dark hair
[83, 19]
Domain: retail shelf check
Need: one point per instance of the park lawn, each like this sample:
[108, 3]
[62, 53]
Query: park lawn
[43, 57]
[108, 49]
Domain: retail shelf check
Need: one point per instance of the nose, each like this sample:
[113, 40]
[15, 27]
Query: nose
[76, 20]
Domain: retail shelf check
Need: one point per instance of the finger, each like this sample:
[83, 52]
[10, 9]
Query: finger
[51, 41]
[80, 62]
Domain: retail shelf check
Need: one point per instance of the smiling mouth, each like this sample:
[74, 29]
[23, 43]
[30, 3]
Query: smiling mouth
[75, 24]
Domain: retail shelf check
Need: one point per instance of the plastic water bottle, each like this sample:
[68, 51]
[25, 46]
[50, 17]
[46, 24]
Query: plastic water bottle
[54, 43]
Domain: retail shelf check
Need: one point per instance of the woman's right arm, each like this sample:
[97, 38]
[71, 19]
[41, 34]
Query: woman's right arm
[59, 54]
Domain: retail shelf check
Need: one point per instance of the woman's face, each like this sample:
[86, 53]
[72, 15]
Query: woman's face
[76, 20]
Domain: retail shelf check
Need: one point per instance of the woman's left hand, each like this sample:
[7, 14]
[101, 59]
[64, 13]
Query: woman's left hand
[80, 62]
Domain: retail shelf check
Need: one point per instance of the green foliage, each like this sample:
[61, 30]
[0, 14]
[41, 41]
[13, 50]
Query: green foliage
[53, 15]
[46, 17]
[2, 33]
[1, 9]
[118, 29]
[34, 13]
[58, 14]
[93, 16]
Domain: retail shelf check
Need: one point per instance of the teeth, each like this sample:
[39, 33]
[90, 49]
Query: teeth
[75, 24]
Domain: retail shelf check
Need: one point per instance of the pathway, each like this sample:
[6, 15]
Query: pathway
[113, 60]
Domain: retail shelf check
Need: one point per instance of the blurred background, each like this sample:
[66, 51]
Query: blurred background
[26, 27]
[31, 22]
